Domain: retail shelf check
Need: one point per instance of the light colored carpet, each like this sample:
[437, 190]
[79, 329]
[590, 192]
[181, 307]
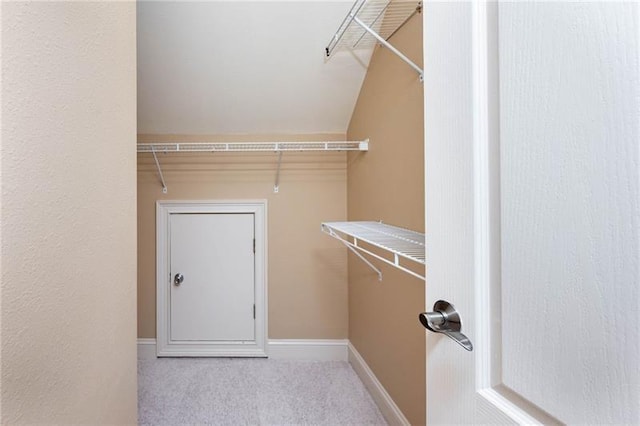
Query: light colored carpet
[238, 391]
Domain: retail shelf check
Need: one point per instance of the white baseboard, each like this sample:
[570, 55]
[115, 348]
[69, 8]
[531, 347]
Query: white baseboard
[308, 349]
[146, 348]
[303, 349]
[387, 407]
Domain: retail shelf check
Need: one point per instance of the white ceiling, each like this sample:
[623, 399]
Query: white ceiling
[227, 67]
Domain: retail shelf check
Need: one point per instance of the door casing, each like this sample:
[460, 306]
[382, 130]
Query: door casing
[164, 346]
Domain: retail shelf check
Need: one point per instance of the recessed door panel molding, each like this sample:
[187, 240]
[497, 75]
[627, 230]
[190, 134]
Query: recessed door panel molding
[212, 277]
[211, 282]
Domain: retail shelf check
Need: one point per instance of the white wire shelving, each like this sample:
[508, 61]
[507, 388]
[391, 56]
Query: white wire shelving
[374, 21]
[276, 147]
[254, 146]
[399, 243]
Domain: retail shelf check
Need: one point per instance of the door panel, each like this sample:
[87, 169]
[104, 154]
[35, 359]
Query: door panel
[567, 98]
[214, 253]
[532, 198]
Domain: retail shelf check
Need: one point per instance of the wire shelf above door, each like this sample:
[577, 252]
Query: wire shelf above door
[254, 146]
[277, 147]
[374, 21]
[399, 243]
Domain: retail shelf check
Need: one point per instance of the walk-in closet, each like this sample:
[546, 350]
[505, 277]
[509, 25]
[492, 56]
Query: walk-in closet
[306, 120]
[320, 212]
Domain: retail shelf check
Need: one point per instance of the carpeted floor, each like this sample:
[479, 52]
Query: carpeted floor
[238, 391]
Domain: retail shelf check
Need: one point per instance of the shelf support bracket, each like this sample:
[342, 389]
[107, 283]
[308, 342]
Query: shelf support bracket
[155, 157]
[354, 251]
[389, 46]
[276, 187]
[356, 248]
[364, 259]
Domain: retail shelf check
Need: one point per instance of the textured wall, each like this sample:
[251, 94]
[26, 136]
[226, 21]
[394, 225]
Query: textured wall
[388, 184]
[68, 213]
[306, 270]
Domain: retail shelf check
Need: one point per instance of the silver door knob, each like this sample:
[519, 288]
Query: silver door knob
[177, 280]
[446, 320]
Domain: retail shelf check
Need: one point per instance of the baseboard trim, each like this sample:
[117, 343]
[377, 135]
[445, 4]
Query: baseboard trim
[308, 349]
[387, 406]
[146, 348]
[302, 349]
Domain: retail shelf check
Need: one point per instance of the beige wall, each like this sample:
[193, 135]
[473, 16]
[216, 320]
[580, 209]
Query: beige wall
[388, 184]
[307, 270]
[68, 213]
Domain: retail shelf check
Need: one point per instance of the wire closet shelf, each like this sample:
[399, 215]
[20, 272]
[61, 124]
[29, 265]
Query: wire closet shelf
[374, 21]
[400, 243]
[277, 147]
[254, 146]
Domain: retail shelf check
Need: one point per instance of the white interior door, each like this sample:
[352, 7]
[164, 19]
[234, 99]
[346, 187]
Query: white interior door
[211, 279]
[532, 181]
[212, 265]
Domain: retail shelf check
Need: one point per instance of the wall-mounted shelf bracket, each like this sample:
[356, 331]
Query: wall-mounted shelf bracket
[398, 242]
[276, 187]
[378, 18]
[155, 157]
[357, 253]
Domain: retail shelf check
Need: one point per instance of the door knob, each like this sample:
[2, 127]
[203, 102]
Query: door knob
[177, 280]
[446, 320]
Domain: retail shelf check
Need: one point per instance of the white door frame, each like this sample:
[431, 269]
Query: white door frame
[165, 347]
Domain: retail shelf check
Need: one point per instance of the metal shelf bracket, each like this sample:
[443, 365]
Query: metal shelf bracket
[276, 187]
[155, 157]
[389, 46]
[351, 246]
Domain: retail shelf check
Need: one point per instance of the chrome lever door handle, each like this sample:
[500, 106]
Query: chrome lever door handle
[446, 320]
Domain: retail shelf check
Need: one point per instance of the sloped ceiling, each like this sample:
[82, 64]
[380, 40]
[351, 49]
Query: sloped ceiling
[229, 67]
